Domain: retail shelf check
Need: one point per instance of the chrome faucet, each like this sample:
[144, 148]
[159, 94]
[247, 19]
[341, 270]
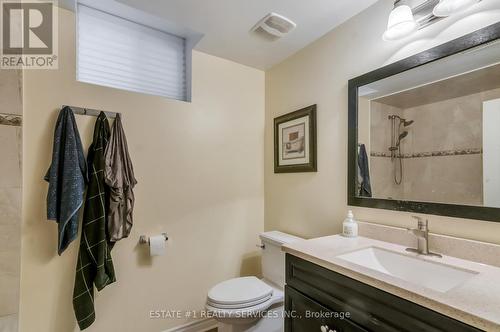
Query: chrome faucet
[422, 234]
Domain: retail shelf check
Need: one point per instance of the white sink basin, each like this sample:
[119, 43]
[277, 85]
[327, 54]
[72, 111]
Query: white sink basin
[436, 276]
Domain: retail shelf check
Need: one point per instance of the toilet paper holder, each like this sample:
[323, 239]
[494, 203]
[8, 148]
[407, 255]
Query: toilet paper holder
[143, 239]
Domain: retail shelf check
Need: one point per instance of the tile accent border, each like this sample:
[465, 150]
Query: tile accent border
[11, 120]
[456, 152]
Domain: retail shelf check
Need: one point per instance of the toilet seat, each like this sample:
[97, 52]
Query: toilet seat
[239, 292]
[238, 306]
[242, 297]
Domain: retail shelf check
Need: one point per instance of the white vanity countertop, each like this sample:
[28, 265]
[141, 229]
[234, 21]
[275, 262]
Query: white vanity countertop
[475, 302]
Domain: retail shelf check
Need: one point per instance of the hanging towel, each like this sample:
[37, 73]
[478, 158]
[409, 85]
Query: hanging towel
[67, 176]
[364, 173]
[94, 266]
[119, 176]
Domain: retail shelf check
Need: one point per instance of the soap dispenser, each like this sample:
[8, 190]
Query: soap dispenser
[350, 226]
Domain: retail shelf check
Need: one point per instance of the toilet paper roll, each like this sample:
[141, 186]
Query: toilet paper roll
[157, 245]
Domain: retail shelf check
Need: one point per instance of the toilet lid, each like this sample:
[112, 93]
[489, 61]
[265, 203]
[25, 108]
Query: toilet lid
[240, 291]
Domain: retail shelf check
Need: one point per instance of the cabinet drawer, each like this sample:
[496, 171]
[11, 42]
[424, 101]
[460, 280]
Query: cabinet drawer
[371, 308]
[306, 315]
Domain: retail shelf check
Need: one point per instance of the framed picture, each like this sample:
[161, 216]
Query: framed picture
[295, 141]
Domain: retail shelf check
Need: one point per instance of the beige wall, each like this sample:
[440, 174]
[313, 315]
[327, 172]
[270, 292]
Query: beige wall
[314, 204]
[200, 172]
[10, 196]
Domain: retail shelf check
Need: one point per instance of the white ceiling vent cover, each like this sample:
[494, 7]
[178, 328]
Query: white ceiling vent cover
[275, 25]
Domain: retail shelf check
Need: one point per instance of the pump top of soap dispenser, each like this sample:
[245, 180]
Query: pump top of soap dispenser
[350, 215]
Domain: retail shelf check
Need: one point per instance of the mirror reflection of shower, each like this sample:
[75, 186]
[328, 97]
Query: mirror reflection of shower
[398, 133]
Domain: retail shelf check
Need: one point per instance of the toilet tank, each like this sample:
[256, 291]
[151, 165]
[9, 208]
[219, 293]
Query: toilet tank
[273, 259]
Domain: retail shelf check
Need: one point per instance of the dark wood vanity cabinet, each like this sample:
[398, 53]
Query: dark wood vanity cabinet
[315, 299]
[308, 315]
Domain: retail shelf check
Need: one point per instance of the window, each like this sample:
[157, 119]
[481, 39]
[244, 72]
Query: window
[119, 53]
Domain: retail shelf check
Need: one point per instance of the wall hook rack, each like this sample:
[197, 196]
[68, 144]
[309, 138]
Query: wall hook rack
[90, 111]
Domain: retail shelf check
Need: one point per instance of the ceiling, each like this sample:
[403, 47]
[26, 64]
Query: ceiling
[481, 80]
[465, 73]
[226, 24]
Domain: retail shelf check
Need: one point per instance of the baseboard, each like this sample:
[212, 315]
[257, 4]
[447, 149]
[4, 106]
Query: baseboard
[196, 326]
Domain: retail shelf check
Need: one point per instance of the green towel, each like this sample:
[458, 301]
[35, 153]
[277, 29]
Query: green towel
[94, 266]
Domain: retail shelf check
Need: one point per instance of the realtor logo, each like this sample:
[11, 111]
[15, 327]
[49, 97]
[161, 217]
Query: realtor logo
[29, 34]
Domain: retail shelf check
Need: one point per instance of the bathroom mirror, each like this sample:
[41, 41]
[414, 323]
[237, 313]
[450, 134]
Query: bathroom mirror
[424, 133]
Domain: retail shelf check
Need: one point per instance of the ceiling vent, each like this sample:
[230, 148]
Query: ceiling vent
[274, 26]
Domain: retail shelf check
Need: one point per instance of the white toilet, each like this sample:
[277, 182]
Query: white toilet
[249, 304]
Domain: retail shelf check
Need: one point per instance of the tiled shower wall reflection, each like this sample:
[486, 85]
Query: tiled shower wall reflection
[10, 196]
[442, 152]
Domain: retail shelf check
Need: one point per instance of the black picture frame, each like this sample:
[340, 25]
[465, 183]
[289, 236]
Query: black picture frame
[311, 166]
[471, 40]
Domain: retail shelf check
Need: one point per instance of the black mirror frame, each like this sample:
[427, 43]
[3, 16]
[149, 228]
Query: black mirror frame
[474, 39]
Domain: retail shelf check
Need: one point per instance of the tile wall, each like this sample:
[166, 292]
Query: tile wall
[442, 154]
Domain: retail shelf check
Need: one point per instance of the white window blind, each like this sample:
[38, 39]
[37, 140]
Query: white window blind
[118, 53]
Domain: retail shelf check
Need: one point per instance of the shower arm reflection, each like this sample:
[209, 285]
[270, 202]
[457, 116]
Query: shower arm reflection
[397, 124]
